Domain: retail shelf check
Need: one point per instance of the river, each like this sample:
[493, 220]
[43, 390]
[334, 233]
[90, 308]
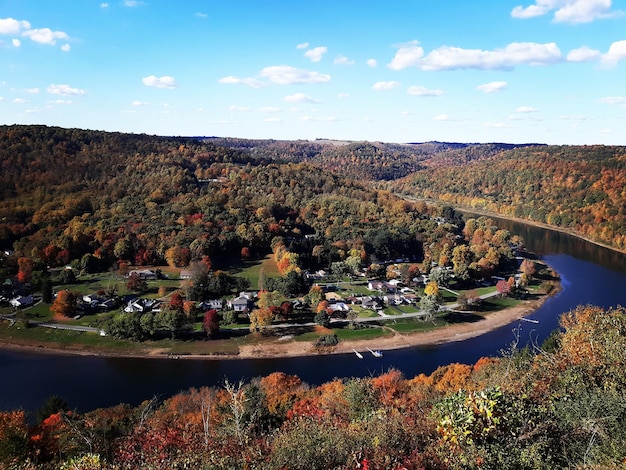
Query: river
[590, 275]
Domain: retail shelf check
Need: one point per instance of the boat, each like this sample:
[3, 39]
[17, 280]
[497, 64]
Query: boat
[358, 354]
[530, 320]
[376, 353]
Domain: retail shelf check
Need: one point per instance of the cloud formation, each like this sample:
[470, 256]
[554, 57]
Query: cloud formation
[616, 52]
[408, 55]
[492, 87]
[566, 11]
[457, 58]
[316, 53]
[382, 86]
[45, 35]
[423, 91]
[11, 26]
[251, 82]
[287, 75]
[65, 90]
[165, 81]
[583, 54]
[516, 53]
[300, 98]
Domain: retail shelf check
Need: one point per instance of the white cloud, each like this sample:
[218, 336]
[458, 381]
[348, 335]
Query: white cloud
[21, 100]
[517, 53]
[65, 90]
[583, 54]
[613, 100]
[303, 45]
[287, 75]
[251, 82]
[343, 60]
[372, 63]
[567, 11]
[423, 91]
[140, 103]
[273, 120]
[441, 117]
[132, 3]
[270, 109]
[165, 81]
[526, 109]
[409, 54]
[32, 91]
[617, 52]
[65, 47]
[492, 87]
[343, 95]
[300, 98]
[45, 35]
[316, 53]
[13, 26]
[381, 86]
[199, 14]
[104, 5]
[16, 42]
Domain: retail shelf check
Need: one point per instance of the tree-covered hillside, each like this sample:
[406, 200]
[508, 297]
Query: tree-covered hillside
[149, 200]
[582, 189]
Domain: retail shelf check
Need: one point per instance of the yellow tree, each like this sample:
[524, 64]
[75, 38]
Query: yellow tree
[260, 320]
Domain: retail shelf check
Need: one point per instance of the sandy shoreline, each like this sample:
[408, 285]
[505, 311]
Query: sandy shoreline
[279, 348]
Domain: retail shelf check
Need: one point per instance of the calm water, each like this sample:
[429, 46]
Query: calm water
[590, 275]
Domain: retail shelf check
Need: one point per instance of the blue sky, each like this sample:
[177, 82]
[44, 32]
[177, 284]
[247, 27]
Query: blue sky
[550, 71]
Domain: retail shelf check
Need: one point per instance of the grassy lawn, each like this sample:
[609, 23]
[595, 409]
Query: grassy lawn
[345, 334]
[413, 325]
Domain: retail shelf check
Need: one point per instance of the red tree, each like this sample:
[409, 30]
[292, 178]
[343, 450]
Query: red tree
[176, 302]
[211, 323]
[25, 269]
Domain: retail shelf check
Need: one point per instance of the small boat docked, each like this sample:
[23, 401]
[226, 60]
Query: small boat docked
[530, 320]
[358, 354]
[376, 353]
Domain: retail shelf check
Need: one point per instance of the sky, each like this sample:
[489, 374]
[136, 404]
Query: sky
[516, 71]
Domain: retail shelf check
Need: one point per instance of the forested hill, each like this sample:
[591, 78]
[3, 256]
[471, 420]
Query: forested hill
[69, 193]
[370, 161]
[577, 188]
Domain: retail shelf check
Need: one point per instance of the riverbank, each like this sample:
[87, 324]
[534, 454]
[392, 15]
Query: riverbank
[281, 347]
[446, 334]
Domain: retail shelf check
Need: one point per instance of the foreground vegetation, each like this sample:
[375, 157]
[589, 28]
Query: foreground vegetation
[561, 405]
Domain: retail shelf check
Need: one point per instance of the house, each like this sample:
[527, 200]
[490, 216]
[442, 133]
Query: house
[213, 304]
[21, 302]
[251, 295]
[186, 274]
[393, 299]
[145, 274]
[381, 286]
[339, 307]
[239, 304]
[373, 303]
[143, 305]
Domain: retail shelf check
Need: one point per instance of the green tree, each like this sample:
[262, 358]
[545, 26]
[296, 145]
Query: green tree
[322, 318]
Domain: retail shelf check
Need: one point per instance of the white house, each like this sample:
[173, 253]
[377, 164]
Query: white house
[21, 302]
